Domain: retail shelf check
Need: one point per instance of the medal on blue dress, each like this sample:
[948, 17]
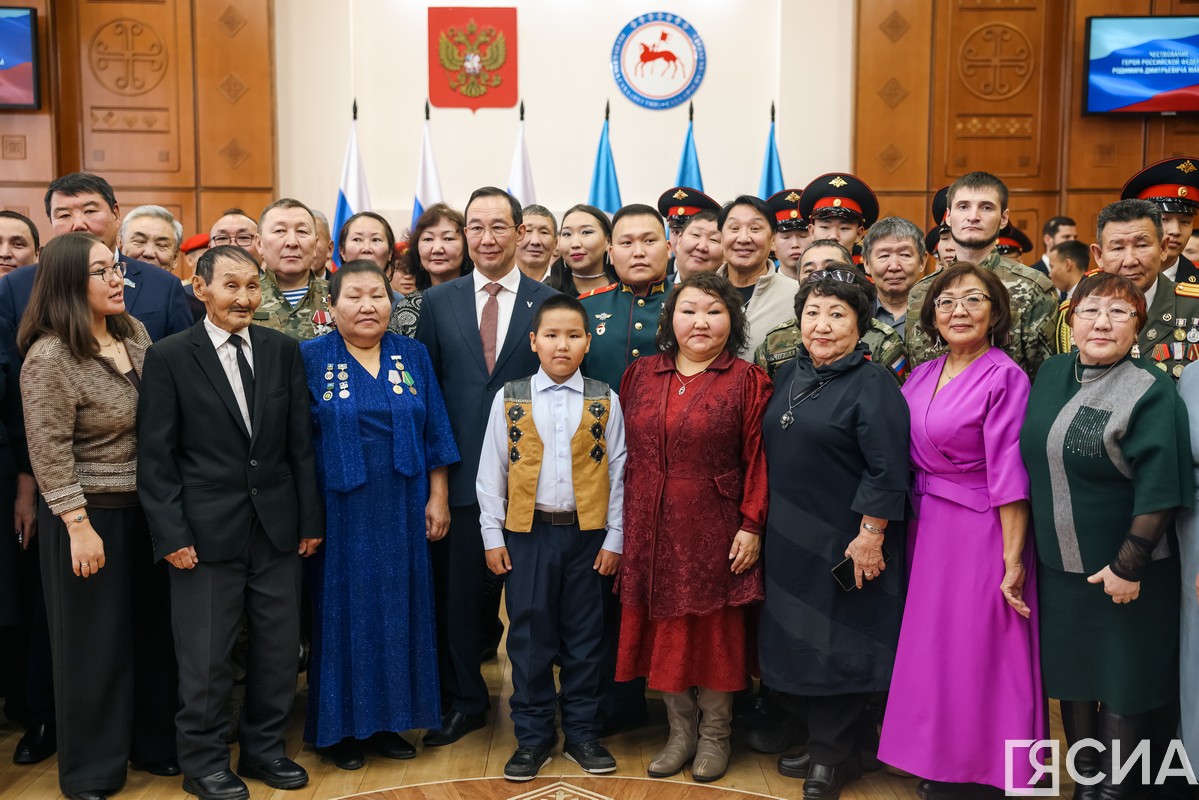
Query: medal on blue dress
[406, 378]
[342, 375]
[344, 386]
[329, 372]
[393, 377]
[328, 395]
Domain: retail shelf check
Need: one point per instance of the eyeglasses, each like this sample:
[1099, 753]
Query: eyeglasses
[970, 302]
[843, 275]
[118, 269]
[496, 229]
[241, 239]
[1117, 314]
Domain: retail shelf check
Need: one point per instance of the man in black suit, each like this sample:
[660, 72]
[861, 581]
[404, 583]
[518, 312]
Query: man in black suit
[81, 201]
[476, 329]
[227, 477]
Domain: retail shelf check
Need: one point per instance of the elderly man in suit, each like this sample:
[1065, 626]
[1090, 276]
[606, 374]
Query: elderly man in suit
[476, 329]
[227, 477]
[81, 201]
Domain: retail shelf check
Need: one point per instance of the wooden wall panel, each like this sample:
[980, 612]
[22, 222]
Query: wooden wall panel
[235, 94]
[137, 111]
[172, 101]
[996, 78]
[212, 203]
[27, 200]
[891, 87]
[909, 205]
[1102, 151]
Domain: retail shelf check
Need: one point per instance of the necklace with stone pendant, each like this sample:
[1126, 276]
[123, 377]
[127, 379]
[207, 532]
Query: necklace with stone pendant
[794, 401]
[685, 384]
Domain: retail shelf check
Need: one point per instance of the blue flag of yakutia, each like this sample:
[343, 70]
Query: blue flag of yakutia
[605, 189]
[689, 174]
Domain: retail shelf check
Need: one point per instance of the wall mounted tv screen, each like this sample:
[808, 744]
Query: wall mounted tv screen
[1142, 65]
[18, 58]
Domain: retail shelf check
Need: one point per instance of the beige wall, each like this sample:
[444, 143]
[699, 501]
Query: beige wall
[798, 53]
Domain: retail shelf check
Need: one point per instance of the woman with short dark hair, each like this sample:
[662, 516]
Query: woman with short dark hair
[1105, 443]
[836, 434]
[695, 507]
[107, 601]
[966, 675]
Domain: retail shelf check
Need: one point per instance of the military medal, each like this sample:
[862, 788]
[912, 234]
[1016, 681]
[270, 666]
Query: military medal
[345, 390]
[1180, 329]
[329, 372]
[1177, 371]
[1161, 352]
[342, 375]
[599, 329]
[1193, 352]
[1176, 350]
[1151, 334]
[1193, 333]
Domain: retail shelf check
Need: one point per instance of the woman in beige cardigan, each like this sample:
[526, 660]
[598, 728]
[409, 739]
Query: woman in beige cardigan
[107, 602]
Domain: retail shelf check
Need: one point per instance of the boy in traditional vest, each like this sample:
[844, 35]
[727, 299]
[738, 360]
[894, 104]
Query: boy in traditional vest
[551, 491]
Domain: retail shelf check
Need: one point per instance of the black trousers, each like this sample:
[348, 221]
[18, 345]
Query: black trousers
[833, 723]
[28, 671]
[555, 608]
[208, 601]
[458, 565]
[114, 668]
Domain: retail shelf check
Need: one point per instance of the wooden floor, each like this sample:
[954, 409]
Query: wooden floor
[480, 754]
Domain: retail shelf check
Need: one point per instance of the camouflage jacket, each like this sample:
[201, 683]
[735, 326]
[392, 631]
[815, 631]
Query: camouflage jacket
[782, 344]
[1034, 315]
[306, 320]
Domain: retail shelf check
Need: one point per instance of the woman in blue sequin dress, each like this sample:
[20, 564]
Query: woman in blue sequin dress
[383, 442]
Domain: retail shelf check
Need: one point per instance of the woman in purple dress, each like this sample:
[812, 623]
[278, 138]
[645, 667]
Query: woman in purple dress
[967, 671]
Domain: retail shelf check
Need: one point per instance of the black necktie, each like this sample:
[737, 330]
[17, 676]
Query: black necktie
[247, 374]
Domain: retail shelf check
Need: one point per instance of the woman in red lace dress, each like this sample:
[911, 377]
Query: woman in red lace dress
[695, 508]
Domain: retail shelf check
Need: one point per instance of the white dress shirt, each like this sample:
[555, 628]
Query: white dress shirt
[506, 297]
[557, 411]
[1171, 271]
[227, 353]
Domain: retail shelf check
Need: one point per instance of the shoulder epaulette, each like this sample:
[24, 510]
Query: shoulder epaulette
[600, 290]
[1186, 290]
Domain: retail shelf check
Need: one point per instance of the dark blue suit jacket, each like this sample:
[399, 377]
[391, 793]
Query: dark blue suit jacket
[449, 329]
[152, 295]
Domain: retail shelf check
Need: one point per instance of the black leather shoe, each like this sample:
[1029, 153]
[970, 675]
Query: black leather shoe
[346, 754]
[282, 773]
[36, 745]
[89, 796]
[223, 785]
[392, 745]
[165, 768]
[526, 762]
[454, 726]
[795, 765]
[591, 756]
[825, 783]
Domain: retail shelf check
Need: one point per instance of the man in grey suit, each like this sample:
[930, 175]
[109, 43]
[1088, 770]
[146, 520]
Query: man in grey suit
[476, 329]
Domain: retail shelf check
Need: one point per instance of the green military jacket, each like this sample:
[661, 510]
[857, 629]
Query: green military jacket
[1170, 338]
[782, 344]
[308, 319]
[623, 328]
[1034, 315]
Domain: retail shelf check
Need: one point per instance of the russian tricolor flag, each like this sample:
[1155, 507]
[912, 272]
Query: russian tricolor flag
[352, 196]
[428, 184]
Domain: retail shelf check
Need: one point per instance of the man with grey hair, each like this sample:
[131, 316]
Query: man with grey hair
[893, 255]
[322, 257]
[151, 234]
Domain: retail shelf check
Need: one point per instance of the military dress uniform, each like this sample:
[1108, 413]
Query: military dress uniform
[782, 344]
[1170, 338]
[1034, 315]
[623, 327]
[1173, 186]
[306, 320]
[839, 194]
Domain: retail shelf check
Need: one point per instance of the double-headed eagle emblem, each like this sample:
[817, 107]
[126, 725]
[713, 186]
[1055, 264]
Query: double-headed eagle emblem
[473, 55]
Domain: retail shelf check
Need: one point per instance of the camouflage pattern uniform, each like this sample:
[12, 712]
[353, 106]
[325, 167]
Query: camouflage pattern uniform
[308, 319]
[1034, 315]
[782, 344]
[1170, 338]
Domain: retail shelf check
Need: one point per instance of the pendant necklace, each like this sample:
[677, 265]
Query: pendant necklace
[1081, 379]
[794, 401]
[685, 384]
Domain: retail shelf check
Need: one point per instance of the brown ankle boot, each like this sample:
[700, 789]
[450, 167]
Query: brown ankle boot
[715, 727]
[682, 714]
